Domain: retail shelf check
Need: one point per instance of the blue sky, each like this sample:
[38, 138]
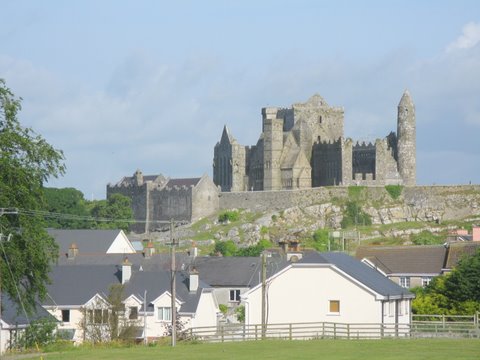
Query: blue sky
[126, 85]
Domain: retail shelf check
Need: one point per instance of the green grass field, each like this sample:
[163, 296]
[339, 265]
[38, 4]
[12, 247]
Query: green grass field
[408, 349]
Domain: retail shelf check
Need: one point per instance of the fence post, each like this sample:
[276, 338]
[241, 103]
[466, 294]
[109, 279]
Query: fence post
[323, 329]
[334, 330]
[222, 333]
[443, 321]
[256, 332]
[290, 331]
[348, 331]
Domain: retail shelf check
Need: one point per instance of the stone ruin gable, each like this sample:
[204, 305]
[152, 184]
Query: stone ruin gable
[204, 198]
[324, 121]
[385, 163]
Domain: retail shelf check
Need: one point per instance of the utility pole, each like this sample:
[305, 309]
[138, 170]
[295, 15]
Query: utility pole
[264, 295]
[173, 287]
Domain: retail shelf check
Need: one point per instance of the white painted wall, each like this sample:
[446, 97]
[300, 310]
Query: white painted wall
[302, 294]
[121, 245]
[207, 310]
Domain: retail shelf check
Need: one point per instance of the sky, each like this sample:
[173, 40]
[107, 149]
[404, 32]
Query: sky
[126, 85]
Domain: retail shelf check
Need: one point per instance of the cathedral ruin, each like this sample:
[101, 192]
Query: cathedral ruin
[304, 146]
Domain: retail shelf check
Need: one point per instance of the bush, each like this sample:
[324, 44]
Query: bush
[354, 215]
[40, 332]
[223, 308]
[426, 238]
[224, 248]
[320, 240]
[394, 190]
[240, 313]
[229, 215]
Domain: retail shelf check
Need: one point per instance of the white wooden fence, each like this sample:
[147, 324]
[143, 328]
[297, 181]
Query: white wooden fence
[421, 326]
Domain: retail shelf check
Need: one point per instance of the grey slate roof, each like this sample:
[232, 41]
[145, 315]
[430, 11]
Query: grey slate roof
[76, 284]
[183, 182]
[12, 314]
[88, 241]
[428, 259]
[359, 271]
[228, 271]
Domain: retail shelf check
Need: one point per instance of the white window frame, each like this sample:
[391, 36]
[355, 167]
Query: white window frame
[164, 313]
[234, 295]
[426, 280]
[330, 302]
[68, 314]
[404, 281]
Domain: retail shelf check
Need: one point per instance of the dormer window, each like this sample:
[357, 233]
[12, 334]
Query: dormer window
[164, 313]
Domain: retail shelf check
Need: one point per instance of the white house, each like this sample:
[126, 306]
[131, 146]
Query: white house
[13, 322]
[328, 287]
[78, 298]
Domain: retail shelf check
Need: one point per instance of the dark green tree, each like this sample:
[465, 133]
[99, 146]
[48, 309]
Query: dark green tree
[457, 293]
[27, 161]
[113, 213]
[63, 202]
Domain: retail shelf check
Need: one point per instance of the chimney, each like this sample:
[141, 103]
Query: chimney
[72, 251]
[126, 270]
[193, 280]
[194, 250]
[476, 233]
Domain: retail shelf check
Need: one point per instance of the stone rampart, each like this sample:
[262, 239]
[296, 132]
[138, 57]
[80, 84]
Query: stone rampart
[449, 202]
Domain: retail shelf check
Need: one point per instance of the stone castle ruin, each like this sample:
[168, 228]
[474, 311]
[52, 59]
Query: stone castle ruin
[157, 199]
[304, 146]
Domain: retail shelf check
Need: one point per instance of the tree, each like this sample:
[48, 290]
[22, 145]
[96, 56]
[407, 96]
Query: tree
[457, 293]
[117, 207]
[27, 161]
[67, 201]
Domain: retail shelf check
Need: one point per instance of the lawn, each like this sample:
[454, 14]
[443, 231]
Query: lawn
[407, 349]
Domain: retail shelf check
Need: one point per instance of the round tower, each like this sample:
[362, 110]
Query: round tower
[406, 145]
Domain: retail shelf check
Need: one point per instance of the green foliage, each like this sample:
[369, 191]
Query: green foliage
[67, 201]
[40, 332]
[117, 207]
[355, 192]
[254, 250]
[240, 313]
[223, 308]
[354, 215]
[394, 190]
[225, 248]
[320, 240]
[228, 248]
[27, 161]
[229, 215]
[263, 230]
[457, 293]
[426, 238]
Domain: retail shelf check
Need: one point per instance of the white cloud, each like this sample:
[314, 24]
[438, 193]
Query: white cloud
[469, 38]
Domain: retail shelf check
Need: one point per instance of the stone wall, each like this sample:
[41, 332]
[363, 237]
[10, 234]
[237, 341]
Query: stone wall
[415, 203]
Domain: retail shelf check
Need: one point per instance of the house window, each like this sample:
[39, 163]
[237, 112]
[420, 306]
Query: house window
[133, 313]
[66, 316]
[164, 313]
[97, 316]
[426, 281]
[334, 306]
[234, 295]
[405, 282]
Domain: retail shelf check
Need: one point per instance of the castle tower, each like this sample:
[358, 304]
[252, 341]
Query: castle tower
[406, 146]
[272, 149]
